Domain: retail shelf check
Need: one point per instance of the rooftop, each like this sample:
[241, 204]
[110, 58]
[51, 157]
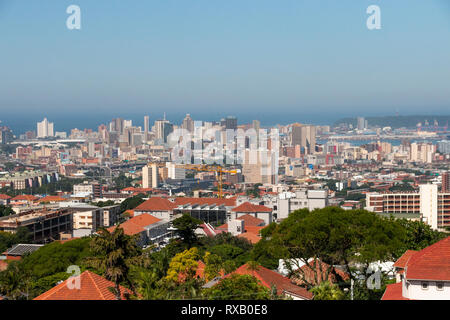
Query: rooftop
[92, 287]
[22, 249]
[431, 263]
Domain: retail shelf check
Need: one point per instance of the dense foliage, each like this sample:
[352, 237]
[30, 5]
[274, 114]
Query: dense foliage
[7, 240]
[5, 211]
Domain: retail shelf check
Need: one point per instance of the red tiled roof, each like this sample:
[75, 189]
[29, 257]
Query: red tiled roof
[52, 199]
[137, 189]
[403, 260]
[26, 197]
[249, 207]
[92, 287]
[202, 201]
[269, 278]
[156, 204]
[250, 236]
[431, 263]
[393, 292]
[250, 220]
[309, 275]
[130, 213]
[136, 224]
[4, 197]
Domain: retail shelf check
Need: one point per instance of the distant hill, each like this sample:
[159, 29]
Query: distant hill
[398, 121]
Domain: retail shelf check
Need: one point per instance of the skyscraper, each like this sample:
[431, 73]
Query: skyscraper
[304, 136]
[150, 176]
[116, 125]
[188, 123]
[45, 129]
[361, 125]
[162, 129]
[231, 123]
[146, 124]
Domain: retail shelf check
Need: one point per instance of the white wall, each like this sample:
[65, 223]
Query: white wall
[414, 290]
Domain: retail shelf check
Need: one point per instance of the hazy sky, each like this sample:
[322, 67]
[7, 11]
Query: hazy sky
[261, 57]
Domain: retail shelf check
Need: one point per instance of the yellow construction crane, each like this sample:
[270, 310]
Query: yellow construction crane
[210, 168]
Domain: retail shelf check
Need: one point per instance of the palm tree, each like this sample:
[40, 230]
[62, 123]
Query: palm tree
[15, 282]
[327, 291]
[114, 254]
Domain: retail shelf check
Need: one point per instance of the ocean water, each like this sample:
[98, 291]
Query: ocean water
[20, 122]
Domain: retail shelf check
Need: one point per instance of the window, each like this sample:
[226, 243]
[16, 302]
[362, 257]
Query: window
[424, 285]
[440, 286]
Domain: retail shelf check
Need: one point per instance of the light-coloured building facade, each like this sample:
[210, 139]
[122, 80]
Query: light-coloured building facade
[432, 205]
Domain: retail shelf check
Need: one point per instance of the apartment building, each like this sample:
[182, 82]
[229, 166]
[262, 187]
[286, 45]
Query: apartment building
[111, 215]
[288, 202]
[93, 188]
[432, 206]
[88, 217]
[150, 176]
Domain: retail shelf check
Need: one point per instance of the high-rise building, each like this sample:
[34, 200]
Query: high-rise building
[422, 152]
[188, 123]
[361, 123]
[6, 135]
[256, 125]
[45, 129]
[446, 182]
[230, 123]
[150, 176]
[430, 204]
[444, 146]
[127, 124]
[162, 129]
[116, 125]
[305, 137]
[174, 172]
[146, 127]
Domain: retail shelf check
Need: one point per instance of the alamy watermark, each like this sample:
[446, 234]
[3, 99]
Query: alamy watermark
[74, 281]
[73, 22]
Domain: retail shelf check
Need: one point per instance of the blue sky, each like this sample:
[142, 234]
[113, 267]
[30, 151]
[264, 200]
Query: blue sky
[301, 58]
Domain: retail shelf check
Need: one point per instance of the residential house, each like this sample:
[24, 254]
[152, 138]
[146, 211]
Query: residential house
[424, 275]
[90, 287]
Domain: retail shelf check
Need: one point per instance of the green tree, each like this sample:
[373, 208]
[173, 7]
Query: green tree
[114, 254]
[132, 202]
[15, 282]
[7, 239]
[55, 257]
[327, 291]
[336, 237]
[419, 235]
[122, 181]
[213, 266]
[5, 211]
[238, 287]
[186, 226]
[183, 266]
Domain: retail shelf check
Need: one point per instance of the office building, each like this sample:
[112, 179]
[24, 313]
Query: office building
[188, 123]
[305, 137]
[45, 129]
